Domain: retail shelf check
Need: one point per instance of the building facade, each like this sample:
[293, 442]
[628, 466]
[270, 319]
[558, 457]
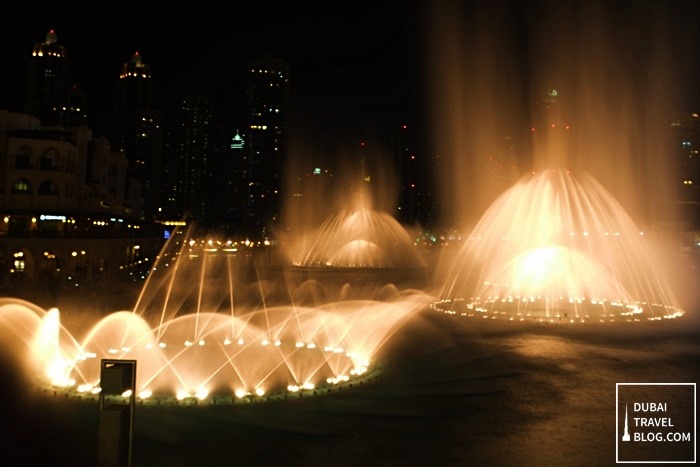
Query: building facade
[50, 94]
[64, 211]
[686, 129]
[268, 93]
[137, 132]
[192, 159]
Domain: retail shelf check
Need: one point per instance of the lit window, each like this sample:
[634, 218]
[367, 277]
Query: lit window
[21, 186]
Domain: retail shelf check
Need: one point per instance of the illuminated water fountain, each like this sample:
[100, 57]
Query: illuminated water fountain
[193, 339]
[555, 165]
[358, 245]
[360, 238]
[558, 248]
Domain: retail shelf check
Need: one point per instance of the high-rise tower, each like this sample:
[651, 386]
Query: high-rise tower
[686, 128]
[193, 158]
[415, 185]
[137, 131]
[551, 132]
[230, 185]
[269, 100]
[50, 96]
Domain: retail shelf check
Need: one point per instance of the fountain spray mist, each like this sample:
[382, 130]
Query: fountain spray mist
[592, 212]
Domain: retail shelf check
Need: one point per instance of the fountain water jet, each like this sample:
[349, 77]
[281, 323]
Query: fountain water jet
[357, 245]
[558, 248]
[593, 152]
[194, 338]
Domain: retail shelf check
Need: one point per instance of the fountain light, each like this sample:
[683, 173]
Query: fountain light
[351, 330]
[587, 269]
[84, 387]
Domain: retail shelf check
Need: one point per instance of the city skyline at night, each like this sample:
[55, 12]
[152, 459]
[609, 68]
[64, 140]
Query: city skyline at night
[341, 66]
[354, 74]
[360, 78]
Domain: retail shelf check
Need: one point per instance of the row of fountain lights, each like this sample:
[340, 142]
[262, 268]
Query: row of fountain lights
[430, 239]
[229, 246]
[584, 233]
[630, 312]
[360, 369]
[207, 246]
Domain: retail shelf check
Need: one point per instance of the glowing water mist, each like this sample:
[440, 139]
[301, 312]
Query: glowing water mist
[577, 237]
[202, 330]
[343, 233]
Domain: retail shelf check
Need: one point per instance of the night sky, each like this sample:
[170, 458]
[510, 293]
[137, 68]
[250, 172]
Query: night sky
[357, 68]
[349, 67]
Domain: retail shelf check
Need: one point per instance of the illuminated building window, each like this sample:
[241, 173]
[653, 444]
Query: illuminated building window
[21, 186]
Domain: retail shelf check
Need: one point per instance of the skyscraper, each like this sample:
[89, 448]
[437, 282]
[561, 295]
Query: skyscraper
[415, 185]
[551, 131]
[193, 162]
[230, 187]
[268, 93]
[686, 128]
[137, 132]
[50, 95]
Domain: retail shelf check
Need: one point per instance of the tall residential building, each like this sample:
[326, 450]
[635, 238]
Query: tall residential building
[268, 94]
[230, 187]
[50, 95]
[138, 133]
[415, 184]
[192, 158]
[551, 132]
[687, 138]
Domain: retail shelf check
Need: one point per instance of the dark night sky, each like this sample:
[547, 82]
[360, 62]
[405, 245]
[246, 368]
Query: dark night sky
[348, 67]
[357, 68]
